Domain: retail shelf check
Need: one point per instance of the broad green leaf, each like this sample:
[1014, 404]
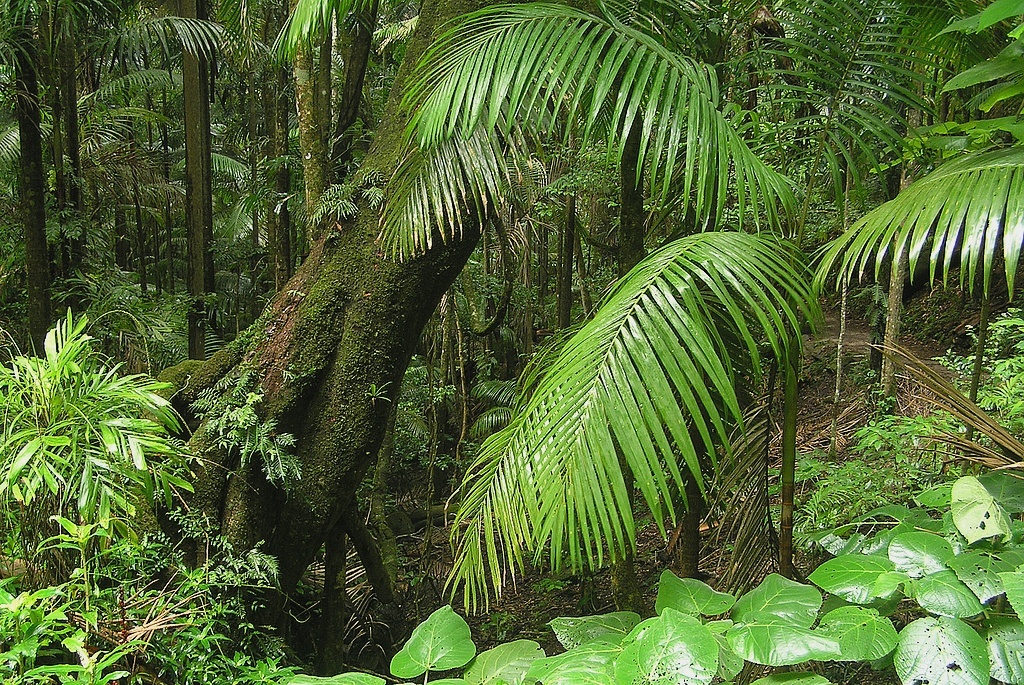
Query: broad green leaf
[852, 576]
[862, 634]
[944, 594]
[1005, 638]
[440, 643]
[918, 554]
[764, 639]
[1013, 583]
[976, 514]
[1006, 487]
[888, 583]
[979, 570]
[573, 631]
[589, 664]
[341, 679]
[506, 664]
[936, 497]
[941, 651]
[791, 602]
[793, 679]
[690, 596]
[729, 662]
[672, 649]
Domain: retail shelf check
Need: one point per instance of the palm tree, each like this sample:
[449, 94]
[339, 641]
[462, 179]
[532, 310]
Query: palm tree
[653, 377]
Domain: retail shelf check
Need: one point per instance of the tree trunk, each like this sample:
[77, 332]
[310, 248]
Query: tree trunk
[328, 357]
[625, 585]
[32, 184]
[360, 40]
[565, 259]
[311, 138]
[282, 246]
[198, 187]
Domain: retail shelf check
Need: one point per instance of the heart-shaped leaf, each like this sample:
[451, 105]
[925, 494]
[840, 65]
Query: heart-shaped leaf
[504, 665]
[852, 576]
[976, 513]
[944, 594]
[341, 679]
[729, 662]
[941, 651]
[763, 639]
[1013, 583]
[793, 679]
[790, 602]
[441, 642]
[862, 634]
[1005, 638]
[917, 554]
[979, 570]
[672, 649]
[573, 631]
[589, 664]
[691, 596]
[1006, 487]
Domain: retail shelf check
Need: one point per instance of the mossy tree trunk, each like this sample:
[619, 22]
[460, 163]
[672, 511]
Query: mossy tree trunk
[328, 355]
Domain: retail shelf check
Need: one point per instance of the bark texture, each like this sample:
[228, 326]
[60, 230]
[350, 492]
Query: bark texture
[328, 356]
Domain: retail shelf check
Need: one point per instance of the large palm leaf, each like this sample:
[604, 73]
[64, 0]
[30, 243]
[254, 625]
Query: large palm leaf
[968, 212]
[651, 378]
[542, 65]
[847, 74]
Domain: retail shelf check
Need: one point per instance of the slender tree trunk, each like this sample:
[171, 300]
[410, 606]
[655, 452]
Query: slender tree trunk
[311, 137]
[565, 260]
[625, 585]
[67, 73]
[359, 40]
[32, 183]
[198, 187]
[979, 356]
[788, 476]
[282, 248]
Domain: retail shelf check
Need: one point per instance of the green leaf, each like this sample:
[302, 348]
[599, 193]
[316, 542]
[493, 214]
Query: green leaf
[690, 596]
[862, 634]
[979, 570]
[1005, 638]
[1008, 63]
[975, 512]
[793, 679]
[991, 15]
[787, 600]
[573, 631]
[340, 679]
[1013, 583]
[506, 664]
[918, 554]
[440, 643]
[729, 662]
[763, 639]
[944, 594]
[936, 497]
[852, 576]
[672, 649]
[888, 583]
[1006, 487]
[941, 651]
[589, 664]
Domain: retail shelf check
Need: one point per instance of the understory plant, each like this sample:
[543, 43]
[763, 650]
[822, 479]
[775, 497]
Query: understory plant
[933, 591]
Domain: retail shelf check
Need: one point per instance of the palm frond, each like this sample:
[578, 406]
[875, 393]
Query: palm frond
[1008, 451]
[652, 372]
[10, 145]
[158, 35]
[536, 62]
[434, 190]
[310, 20]
[144, 80]
[967, 212]
[849, 76]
